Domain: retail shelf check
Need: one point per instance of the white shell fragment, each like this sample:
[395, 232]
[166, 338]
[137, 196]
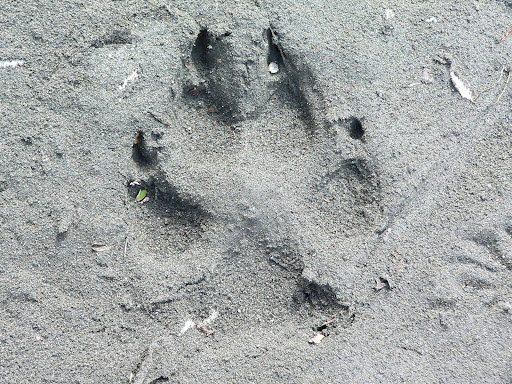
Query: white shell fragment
[100, 247]
[273, 67]
[188, 324]
[389, 14]
[11, 63]
[464, 91]
[317, 339]
[132, 77]
[202, 326]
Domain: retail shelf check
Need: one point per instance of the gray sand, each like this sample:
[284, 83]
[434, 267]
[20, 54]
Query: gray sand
[355, 186]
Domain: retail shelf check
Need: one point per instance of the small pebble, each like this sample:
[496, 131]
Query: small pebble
[389, 14]
[427, 77]
[273, 68]
[317, 339]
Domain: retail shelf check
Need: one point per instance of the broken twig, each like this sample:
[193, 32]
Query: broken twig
[505, 36]
[326, 324]
[504, 88]
[158, 119]
[492, 87]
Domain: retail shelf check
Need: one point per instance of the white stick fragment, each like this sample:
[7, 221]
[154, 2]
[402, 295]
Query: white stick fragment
[317, 339]
[188, 324]
[11, 63]
[464, 91]
[132, 77]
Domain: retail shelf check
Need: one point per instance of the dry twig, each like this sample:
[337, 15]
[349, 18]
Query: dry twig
[492, 87]
[326, 324]
[504, 88]
[505, 35]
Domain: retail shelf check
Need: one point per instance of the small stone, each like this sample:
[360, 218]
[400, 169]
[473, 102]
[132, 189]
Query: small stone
[193, 91]
[144, 200]
[273, 67]
[506, 306]
[317, 339]
[427, 77]
[381, 283]
[389, 14]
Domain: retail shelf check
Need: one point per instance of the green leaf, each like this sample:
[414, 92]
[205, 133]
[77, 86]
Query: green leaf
[141, 195]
